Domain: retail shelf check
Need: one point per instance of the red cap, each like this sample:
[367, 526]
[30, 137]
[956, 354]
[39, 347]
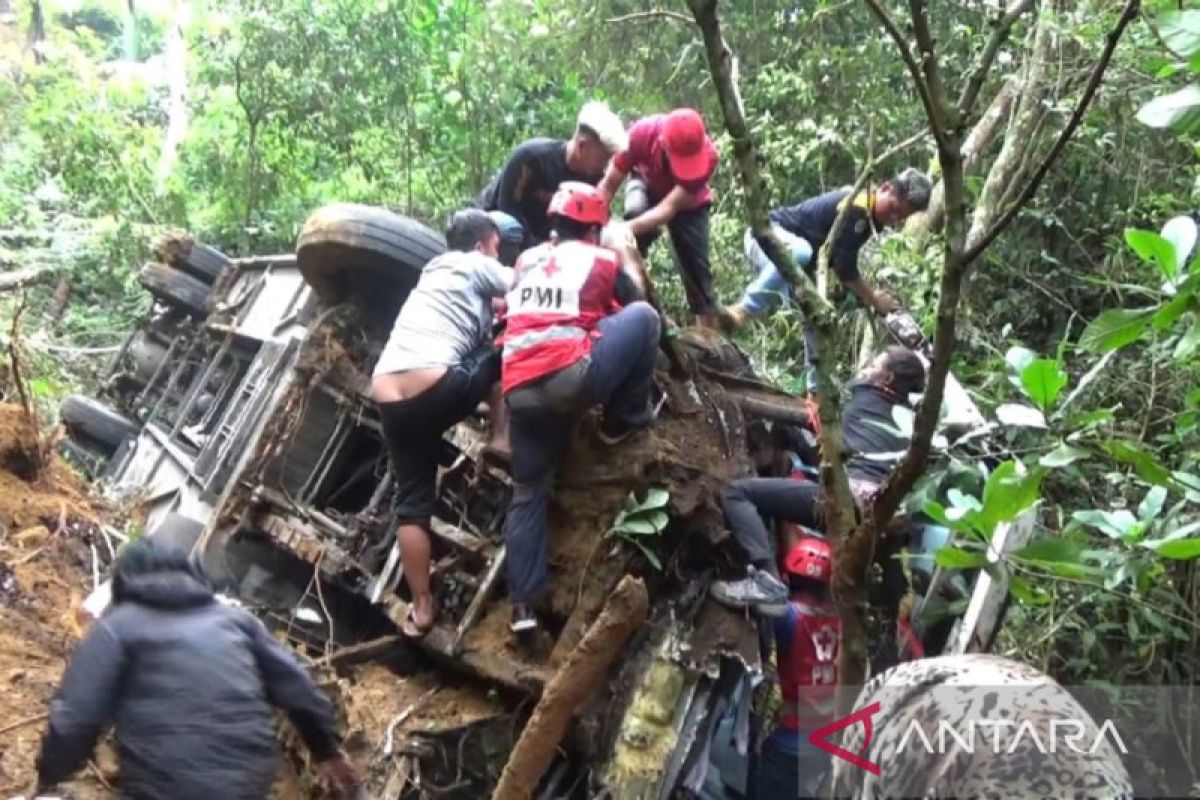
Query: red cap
[684, 138]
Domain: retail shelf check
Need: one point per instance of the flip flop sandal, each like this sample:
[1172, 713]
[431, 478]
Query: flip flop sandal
[411, 629]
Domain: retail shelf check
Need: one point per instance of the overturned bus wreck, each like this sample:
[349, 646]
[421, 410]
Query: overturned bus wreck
[238, 414]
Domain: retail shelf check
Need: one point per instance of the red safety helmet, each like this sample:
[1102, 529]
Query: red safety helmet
[812, 558]
[579, 201]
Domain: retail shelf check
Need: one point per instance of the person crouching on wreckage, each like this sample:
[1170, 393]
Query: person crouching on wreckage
[438, 365]
[579, 335]
[189, 684]
[873, 448]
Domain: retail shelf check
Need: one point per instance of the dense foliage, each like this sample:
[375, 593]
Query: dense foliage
[1071, 337]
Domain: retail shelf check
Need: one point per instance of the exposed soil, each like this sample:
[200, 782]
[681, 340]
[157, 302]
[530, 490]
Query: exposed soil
[45, 572]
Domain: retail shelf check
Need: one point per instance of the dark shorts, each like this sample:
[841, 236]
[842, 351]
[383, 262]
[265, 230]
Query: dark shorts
[413, 429]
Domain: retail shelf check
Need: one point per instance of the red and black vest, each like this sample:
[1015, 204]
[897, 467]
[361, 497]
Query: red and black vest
[562, 290]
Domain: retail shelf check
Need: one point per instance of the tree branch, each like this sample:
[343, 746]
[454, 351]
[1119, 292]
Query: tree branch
[839, 513]
[651, 14]
[1128, 14]
[1003, 25]
[914, 69]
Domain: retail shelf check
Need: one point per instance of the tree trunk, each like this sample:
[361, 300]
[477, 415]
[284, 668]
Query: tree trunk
[37, 28]
[177, 118]
[1012, 163]
[575, 682]
[978, 142]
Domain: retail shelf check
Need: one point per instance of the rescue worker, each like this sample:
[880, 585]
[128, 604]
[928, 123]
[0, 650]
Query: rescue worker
[189, 684]
[579, 335]
[672, 160]
[873, 447]
[531, 174]
[807, 638]
[804, 228]
[438, 365]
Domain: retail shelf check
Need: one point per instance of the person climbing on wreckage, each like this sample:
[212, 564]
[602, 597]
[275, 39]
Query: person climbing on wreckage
[189, 684]
[672, 159]
[579, 335]
[873, 447]
[803, 230]
[438, 365]
[521, 191]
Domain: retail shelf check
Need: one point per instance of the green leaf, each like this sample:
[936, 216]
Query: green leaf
[1043, 381]
[1007, 493]
[953, 558]
[1188, 342]
[655, 498]
[1181, 32]
[1152, 248]
[960, 499]
[650, 555]
[1063, 455]
[1147, 467]
[1165, 317]
[1179, 111]
[1027, 593]
[1119, 524]
[659, 519]
[1051, 549]
[1152, 504]
[1115, 328]
[1176, 549]
[637, 526]
[1019, 357]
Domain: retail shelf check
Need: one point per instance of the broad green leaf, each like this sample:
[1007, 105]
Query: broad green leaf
[1152, 504]
[1051, 548]
[1063, 455]
[953, 558]
[1177, 549]
[960, 499]
[1165, 317]
[655, 498]
[659, 519]
[1007, 493]
[1153, 249]
[1119, 524]
[1028, 593]
[1043, 381]
[1019, 357]
[650, 555]
[1115, 328]
[637, 526]
[1020, 416]
[1181, 32]
[1188, 342]
[1146, 466]
[1179, 111]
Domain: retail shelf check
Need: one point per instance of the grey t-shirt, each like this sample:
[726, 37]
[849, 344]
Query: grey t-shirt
[449, 313]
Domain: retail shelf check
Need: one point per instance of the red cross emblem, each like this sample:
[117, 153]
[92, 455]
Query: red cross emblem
[551, 269]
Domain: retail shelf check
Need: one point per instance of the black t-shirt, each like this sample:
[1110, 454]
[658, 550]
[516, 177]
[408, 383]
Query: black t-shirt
[526, 183]
[870, 407]
[813, 219]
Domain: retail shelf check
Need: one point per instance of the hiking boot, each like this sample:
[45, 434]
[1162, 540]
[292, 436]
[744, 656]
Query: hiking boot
[616, 432]
[523, 619]
[759, 590]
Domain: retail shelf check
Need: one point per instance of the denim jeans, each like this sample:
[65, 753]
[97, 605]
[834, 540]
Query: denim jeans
[788, 766]
[770, 287]
[620, 378]
[748, 500]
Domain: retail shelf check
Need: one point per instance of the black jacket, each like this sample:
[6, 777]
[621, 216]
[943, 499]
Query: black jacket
[188, 684]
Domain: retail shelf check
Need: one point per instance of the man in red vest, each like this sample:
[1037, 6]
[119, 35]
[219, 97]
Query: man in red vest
[672, 159]
[579, 335]
[807, 639]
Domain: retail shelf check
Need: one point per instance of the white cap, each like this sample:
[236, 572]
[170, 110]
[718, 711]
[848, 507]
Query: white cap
[597, 117]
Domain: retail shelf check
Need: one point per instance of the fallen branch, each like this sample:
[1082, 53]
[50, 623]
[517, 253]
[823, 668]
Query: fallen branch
[575, 681]
[651, 14]
[364, 651]
[21, 723]
[19, 279]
